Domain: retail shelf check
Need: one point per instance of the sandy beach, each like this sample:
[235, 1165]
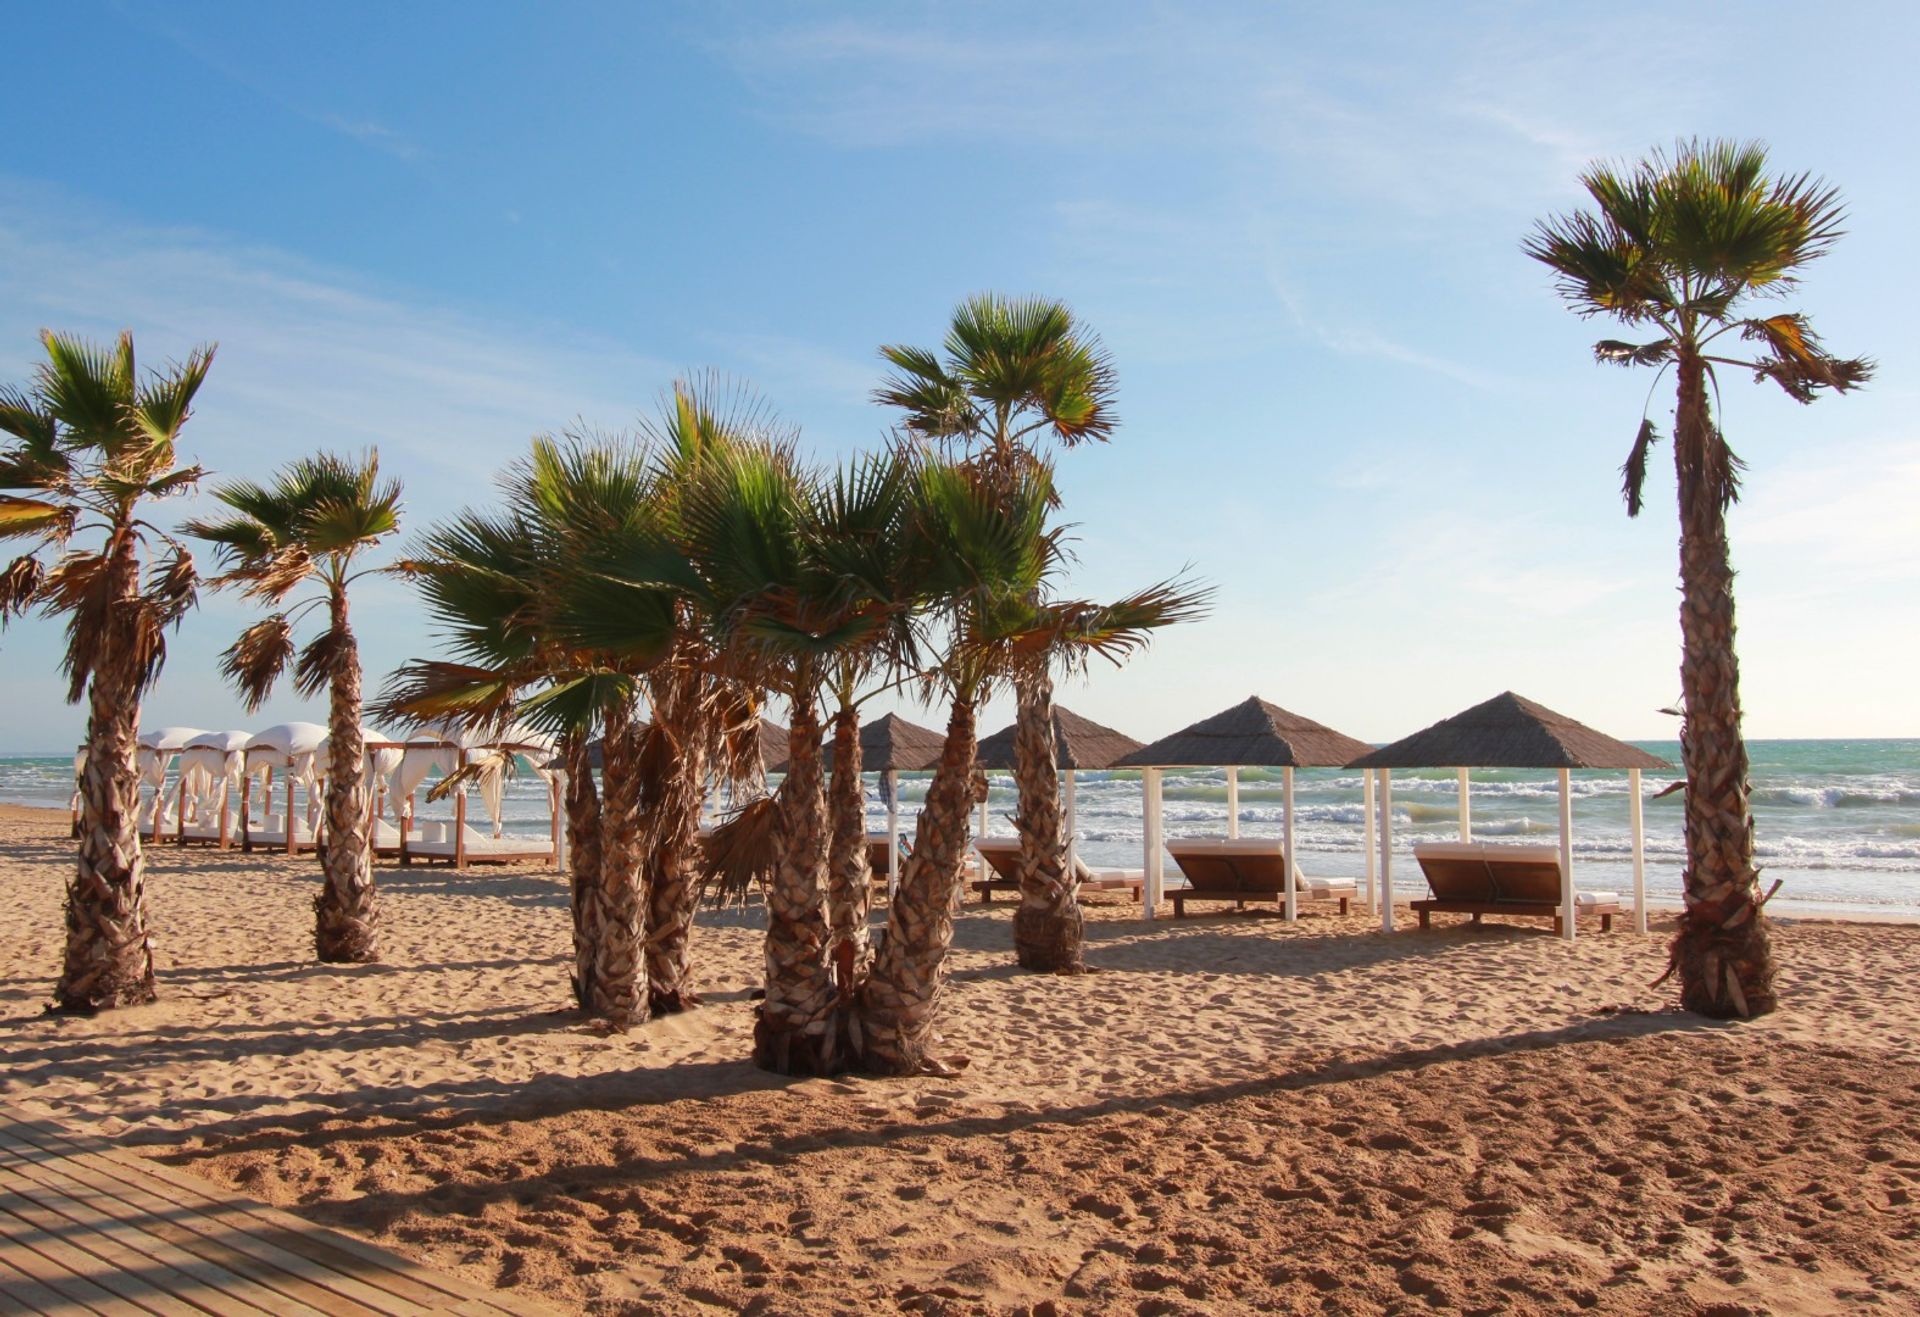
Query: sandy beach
[1231, 1115]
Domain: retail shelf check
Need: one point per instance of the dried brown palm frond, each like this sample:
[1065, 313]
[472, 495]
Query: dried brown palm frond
[254, 662]
[742, 852]
[20, 585]
[322, 661]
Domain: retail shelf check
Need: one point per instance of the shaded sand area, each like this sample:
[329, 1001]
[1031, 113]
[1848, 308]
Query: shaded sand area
[1231, 1116]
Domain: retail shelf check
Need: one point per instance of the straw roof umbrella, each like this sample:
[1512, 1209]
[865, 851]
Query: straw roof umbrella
[889, 745]
[1253, 732]
[1511, 731]
[1078, 743]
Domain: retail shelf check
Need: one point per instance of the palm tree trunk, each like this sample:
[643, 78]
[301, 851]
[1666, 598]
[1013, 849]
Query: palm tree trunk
[897, 1003]
[799, 1025]
[583, 859]
[347, 909]
[1048, 928]
[674, 853]
[1721, 950]
[851, 876]
[616, 907]
[109, 959]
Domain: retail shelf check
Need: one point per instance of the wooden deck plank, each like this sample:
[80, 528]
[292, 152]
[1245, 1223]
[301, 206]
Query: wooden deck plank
[330, 1248]
[301, 1284]
[21, 1293]
[209, 1266]
[205, 1285]
[223, 1241]
[339, 1249]
[65, 1269]
[155, 1283]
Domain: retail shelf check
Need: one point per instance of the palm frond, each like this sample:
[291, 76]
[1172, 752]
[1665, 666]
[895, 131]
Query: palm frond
[1633, 473]
[254, 662]
[742, 852]
[326, 657]
[1614, 352]
[20, 585]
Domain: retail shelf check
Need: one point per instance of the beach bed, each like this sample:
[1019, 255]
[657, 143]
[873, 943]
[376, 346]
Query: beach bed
[1243, 869]
[1521, 882]
[271, 832]
[437, 841]
[1003, 856]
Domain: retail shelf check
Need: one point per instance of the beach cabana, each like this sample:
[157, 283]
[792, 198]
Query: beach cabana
[212, 767]
[156, 754]
[448, 750]
[289, 749]
[1078, 743]
[889, 746]
[1252, 733]
[1510, 731]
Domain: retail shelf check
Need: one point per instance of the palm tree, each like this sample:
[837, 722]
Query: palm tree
[554, 610]
[93, 444]
[795, 573]
[984, 559]
[1680, 247]
[1015, 371]
[313, 524]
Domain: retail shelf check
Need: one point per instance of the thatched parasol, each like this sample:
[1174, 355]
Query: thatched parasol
[1508, 731]
[1251, 733]
[1511, 731]
[1078, 743]
[892, 744]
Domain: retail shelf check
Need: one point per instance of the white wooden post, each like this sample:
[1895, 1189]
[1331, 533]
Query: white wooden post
[1150, 835]
[1636, 818]
[180, 814]
[893, 832]
[561, 785]
[1072, 845]
[1566, 853]
[1233, 800]
[1286, 844]
[1466, 809]
[290, 807]
[460, 819]
[980, 836]
[1366, 808]
[226, 797]
[246, 808]
[1386, 850]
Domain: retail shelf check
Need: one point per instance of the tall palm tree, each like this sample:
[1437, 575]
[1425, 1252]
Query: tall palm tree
[984, 559]
[93, 444]
[554, 609]
[1016, 371]
[1680, 247]
[313, 524]
[796, 573]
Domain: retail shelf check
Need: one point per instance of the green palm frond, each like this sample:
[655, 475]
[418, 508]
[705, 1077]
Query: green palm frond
[89, 390]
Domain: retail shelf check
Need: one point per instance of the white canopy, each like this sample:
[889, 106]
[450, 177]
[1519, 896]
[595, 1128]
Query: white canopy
[285, 745]
[169, 738]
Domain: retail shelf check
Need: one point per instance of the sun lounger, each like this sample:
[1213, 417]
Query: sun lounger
[1002, 854]
[1472, 878]
[1243, 869]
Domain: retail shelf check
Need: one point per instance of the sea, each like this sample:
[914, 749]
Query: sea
[1837, 822]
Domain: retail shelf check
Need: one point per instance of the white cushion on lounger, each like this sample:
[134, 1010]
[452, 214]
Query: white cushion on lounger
[1596, 898]
[1327, 886]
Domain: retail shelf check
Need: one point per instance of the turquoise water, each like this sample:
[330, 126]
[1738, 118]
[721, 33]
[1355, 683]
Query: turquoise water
[1839, 821]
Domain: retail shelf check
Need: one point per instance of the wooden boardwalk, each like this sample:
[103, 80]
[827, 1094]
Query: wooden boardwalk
[85, 1228]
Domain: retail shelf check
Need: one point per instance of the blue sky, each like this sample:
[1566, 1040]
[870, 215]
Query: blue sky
[1347, 399]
